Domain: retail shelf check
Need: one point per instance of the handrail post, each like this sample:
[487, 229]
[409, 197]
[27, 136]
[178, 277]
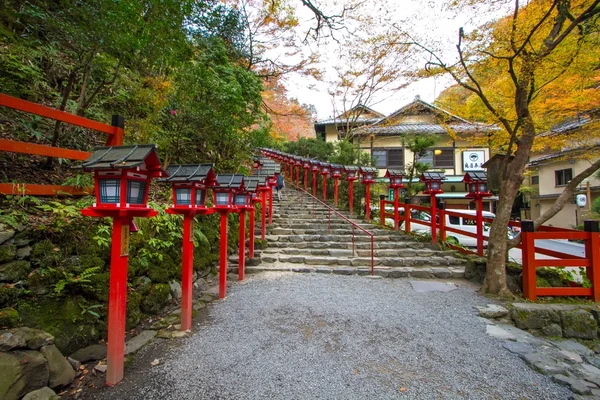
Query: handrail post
[350, 195]
[368, 202]
[382, 209]
[396, 213]
[528, 260]
[433, 220]
[442, 210]
[117, 138]
[592, 252]
[372, 256]
[352, 240]
[406, 217]
[479, 222]
[329, 225]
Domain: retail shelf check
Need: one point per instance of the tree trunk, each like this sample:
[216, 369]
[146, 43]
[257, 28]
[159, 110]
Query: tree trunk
[84, 85]
[63, 105]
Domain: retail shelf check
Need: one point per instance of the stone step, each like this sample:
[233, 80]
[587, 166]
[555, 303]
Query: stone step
[378, 253]
[386, 272]
[414, 261]
[335, 238]
[348, 245]
[338, 231]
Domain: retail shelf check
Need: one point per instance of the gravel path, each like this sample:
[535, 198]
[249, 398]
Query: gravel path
[313, 336]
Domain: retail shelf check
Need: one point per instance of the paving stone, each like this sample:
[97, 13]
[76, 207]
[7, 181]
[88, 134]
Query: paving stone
[292, 260]
[344, 271]
[499, 333]
[364, 271]
[398, 273]
[442, 273]
[302, 270]
[139, 341]
[544, 364]
[492, 311]
[431, 286]
[571, 345]
[576, 385]
[518, 348]
[571, 356]
[424, 273]
[323, 270]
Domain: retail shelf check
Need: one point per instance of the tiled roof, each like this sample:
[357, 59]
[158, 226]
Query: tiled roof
[190, 173]
[394, 172]
[119, 157]
[476, 176]
[418, 128]
[432, 175]
[230, 181]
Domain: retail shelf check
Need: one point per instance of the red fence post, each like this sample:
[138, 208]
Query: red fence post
[324, 187]
[433, 222]
[117, 301]
[406, 217]
[187, 271]
[368, 201]
[479, 222]
[442, 211]
[263, 210]
[528, 260]
[314, 183]
[382, 209]
[305, 179]
[592, 252]
[270, 204]
[117, 138]
[396, 212]
[223, 257]
[350, 194]
[242, 251]
[251, 233]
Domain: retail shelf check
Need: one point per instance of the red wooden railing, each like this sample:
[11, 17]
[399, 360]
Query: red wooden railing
[355, 226]
[114, 132]
[591, 237]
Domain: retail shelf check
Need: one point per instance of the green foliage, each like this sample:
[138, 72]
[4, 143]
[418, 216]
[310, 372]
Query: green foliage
[419, 145]
[91, 309]
[311, 148]
[80, 181]
[346, 153]
[596, 205]
[72, 282]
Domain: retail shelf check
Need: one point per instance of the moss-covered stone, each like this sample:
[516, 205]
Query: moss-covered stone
[513, 268]
[78, 264]
[14, 271]
[98, 287]
[142, 285]
[63, 319]
[8, 296]
[9, 318]
[164, 270]
[134, 314]
[42, 281]
[45, 254]
[579, 324]
[156, 299]
[7, 252]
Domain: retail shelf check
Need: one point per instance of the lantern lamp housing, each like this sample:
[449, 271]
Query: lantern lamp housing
[433, 182]
[226, 187]
[368, 174]
[476, 182]
[122, 175]
[325, 168]
[336, 170]
[351, 173]
[190, 183]
[395, 177]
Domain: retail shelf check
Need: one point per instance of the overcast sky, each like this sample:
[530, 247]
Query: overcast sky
[427, 20]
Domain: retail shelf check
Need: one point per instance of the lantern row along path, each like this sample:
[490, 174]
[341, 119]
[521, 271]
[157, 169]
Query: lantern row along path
[298, 240]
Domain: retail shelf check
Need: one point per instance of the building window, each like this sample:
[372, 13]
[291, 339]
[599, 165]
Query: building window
[388, 158]
[535, 180]
[563, 176]
[426, 158]
[445, 158]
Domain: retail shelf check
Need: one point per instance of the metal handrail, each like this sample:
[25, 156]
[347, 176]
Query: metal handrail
[354, 224]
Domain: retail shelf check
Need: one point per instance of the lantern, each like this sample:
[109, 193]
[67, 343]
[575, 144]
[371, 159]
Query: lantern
[433, 182]
[122, 176]
[325, 168]
[368, 174]
[306, 163]
[190, 183]
[477, 184]
[257, 162]
[351, 173]
[314, 166]
[336, 170]
[395, 178]
[225, 188]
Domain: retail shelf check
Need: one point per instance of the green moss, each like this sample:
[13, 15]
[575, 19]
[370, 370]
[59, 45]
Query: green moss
[9, 295]
[541, 282]
[9, 318]
[7, 252]
[162, 271]
[98, 287]
[14, 271]
[514, 268]
[45, 254]
[134, 314]
[156, 299]
[63, 319]
[42, 281]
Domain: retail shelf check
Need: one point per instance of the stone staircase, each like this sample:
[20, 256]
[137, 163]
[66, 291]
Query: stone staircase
[299, 240]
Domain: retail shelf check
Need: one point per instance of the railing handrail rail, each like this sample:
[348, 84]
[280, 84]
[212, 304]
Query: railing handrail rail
[336, 212]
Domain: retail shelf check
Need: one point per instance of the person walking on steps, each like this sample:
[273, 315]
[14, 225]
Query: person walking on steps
[280, 186]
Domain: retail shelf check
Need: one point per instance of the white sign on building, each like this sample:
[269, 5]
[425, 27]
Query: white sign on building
[473, 160]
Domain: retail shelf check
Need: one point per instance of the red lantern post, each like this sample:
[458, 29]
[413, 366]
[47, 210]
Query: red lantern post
[224, 190]
[351, 176]
[325, 170]
[395, 176]
[190, 184]
[336, 173]
[314, 167]
[306, 167]
[368, 177]
[122, 176]
[477, 184]
[433, 185]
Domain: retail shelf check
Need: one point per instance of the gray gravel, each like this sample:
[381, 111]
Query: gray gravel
[314, 336]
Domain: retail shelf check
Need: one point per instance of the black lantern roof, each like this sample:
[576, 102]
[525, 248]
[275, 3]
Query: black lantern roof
[203, 173]
[251, 183]
[337, 166]
[143, 156]
[475, 176]
[230, 181]
[394, 172]
[350, 168]
[367, 169]
[433, 176]
[265, 172]
[324, 164]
